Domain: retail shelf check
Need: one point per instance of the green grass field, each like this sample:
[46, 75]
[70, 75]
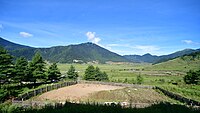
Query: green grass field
[152, 75]
[188, 91]
[183, 64]
[120, 72]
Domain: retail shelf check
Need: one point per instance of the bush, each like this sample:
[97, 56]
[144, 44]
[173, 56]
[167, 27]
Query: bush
[139, 79]
[192, 77]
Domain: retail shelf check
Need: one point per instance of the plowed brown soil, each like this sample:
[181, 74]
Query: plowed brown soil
[75, 92]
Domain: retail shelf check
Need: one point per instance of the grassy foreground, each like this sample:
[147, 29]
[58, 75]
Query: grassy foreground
[88, 108]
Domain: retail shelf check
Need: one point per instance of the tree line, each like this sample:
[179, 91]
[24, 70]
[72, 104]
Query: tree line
[21, 72]
[30, 72]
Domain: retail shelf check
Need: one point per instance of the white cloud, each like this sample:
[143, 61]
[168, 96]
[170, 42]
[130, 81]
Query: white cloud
[187, 41]
[146, 49]
[25, 34]
[92, 37]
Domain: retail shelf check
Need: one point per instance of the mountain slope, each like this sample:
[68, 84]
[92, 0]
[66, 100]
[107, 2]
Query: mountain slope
[85, 52]
[142, 58]
[10, 45]
[158, 59]
[183, 63]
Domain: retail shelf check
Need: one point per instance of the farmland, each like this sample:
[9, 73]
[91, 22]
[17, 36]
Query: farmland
[120, 72]
[127, 73]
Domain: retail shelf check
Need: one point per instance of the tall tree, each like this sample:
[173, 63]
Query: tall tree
[21, 69]
[53, 72]
[37, 69]
[90, 73]
[72, 74]
[99, 75]
[93, 73]
[6, 66]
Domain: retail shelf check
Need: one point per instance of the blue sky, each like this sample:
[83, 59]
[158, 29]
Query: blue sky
[123, 26]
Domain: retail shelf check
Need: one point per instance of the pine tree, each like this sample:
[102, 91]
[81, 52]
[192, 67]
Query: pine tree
[93, 73]
[72, 74]
[100, 76]
[6, 66]
[97, 74]
[105, 76]
[90, 73]
[21, 69]
[37, 69]
[53, 73]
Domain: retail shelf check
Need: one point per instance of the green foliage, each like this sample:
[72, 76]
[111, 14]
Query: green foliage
[192, 77]
[72, 74]
[37, 69]
[9, 108]
[139, 79]
[6, 66]
[92, 73]
[53, 72]
[21, 70]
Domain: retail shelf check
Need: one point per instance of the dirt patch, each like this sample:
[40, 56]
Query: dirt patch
[75, 92]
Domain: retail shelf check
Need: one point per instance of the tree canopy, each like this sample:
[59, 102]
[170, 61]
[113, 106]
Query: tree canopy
[92, 73]
[72, 74]
[6, 65]
[192, 77]
[53, 72]
[37, 69]
[21, 70]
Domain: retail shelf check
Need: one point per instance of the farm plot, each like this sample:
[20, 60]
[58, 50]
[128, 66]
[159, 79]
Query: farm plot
[130, 95]
[75, 92]
[102, 93]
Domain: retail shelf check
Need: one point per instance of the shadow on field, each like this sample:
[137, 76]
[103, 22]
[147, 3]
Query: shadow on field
[95, 108]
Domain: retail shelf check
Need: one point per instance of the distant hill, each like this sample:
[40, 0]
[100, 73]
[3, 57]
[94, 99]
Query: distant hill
[142, 58]
[158, 59]
[10, 45]
[86, 52]
[183, 63]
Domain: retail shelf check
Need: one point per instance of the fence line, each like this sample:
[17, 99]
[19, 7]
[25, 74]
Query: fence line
[42, 90]
[179, 97]
[40, 104]
[116, 84]
[36, 92]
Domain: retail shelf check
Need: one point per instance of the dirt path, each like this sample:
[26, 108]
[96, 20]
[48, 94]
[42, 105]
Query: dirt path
[74, 92]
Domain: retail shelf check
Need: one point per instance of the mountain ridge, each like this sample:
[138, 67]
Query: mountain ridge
[84, 52]
[157, 59]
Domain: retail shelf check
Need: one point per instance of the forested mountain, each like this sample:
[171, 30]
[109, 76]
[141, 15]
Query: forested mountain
[10, 45]
[85, 52]
[157, 59]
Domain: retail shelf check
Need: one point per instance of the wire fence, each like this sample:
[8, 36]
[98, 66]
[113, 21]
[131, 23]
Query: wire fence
[21, 99]
[44, 89]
